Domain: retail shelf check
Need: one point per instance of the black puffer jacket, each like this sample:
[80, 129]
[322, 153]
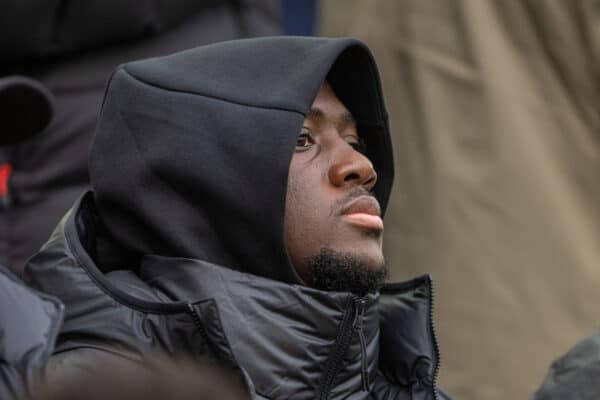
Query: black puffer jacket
[180, 247]
[29, 325]
[289, 341]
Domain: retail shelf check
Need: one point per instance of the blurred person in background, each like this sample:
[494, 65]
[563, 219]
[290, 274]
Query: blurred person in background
[71, 47]
[29, 321]
[29, 324]
[575, 375]
[238, 191]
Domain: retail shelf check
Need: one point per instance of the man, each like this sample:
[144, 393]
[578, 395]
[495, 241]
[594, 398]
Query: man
[236, 216]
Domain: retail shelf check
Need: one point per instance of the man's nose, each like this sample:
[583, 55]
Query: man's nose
[352, 168]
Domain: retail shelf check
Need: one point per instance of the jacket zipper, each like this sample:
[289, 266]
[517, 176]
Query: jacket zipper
[351, 321]
[198, 322]
[358, 326]
[436, 347]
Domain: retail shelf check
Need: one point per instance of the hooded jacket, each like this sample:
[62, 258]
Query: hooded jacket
[179, 248]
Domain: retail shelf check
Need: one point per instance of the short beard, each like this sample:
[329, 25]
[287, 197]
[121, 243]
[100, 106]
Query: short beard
[345, 272]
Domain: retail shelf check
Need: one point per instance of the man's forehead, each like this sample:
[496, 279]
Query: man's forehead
[327, 107]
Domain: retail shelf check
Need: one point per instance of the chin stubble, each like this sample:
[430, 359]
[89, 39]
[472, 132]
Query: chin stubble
[345, 272]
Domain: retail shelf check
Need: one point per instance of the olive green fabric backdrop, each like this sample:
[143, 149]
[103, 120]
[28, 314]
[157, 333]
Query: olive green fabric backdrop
[495, 115]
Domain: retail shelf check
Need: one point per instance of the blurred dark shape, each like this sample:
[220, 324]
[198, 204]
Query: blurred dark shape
[299, 17]
[25, 108]
[71, 48]
[155, 380]
[45, 29]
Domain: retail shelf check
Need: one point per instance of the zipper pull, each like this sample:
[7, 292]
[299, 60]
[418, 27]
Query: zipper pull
[357, 324]
[359, 312]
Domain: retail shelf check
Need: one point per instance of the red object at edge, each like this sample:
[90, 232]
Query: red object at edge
[5, 171]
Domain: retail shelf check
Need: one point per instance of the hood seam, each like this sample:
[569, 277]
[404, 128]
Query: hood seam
[219, 98]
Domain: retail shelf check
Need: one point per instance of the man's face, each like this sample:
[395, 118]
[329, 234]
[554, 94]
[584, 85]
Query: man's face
[329, 206]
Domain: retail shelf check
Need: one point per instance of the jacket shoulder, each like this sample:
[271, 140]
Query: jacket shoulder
[112, 311]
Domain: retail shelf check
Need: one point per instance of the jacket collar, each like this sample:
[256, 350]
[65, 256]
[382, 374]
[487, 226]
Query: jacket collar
[293, 325]
[282, 335]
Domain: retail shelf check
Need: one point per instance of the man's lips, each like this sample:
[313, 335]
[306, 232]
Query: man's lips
[364, 211]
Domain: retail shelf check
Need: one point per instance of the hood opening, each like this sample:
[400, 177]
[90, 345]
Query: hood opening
[355, 81]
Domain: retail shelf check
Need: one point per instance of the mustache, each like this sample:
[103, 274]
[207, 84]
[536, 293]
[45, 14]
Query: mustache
[356, 192]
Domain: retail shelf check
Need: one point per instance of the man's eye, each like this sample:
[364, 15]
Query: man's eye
[358, 145]
[304, 141]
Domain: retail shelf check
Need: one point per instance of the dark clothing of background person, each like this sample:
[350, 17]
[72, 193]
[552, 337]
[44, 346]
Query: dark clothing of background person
[71, 48]
[29, 325]
[180, 246]
[574, 376]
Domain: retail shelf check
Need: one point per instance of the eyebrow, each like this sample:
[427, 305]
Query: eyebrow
[346, 119]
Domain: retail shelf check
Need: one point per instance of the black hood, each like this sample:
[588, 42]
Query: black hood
[192, 150]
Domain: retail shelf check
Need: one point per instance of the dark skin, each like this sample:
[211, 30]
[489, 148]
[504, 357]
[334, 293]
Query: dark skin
[328, 201]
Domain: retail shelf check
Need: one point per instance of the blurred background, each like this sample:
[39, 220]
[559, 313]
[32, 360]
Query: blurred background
[495, 113]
